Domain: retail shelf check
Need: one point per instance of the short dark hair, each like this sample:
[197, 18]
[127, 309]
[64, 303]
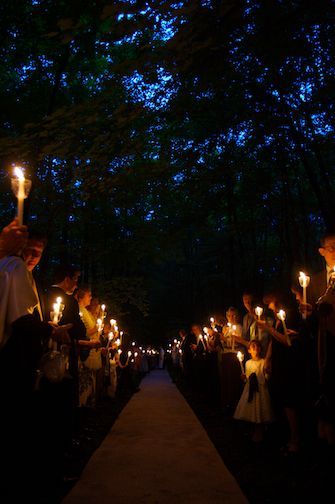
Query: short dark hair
[255, 343]
[64, 270]
[36, 235]
[81, 291]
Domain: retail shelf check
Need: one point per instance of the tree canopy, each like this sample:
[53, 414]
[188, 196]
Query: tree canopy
[179, 151]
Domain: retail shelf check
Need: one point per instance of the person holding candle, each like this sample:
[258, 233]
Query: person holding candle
[254, 405]
[24, 336]
[321, 297]
[62, 399]
[90, 373]
[286, 367]
[248, 323]
[13, 238]
[229, 368]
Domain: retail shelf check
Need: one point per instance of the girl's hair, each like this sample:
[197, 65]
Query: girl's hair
[255, 343]
[81, 291]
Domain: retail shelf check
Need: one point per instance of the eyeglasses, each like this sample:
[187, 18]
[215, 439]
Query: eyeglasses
[329, 248]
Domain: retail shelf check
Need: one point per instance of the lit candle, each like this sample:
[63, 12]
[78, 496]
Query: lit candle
[259, 311]
[282, 316]
[233, 337]
[240, 357]
[58, 308]
[304, 282]
[55, 313]
[21, 188]
[99, 325]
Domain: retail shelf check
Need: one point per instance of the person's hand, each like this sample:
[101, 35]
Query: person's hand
[104, 351]
[261, 323]
[193, 346]
[60, 333]
[13, 238]
[292, 332]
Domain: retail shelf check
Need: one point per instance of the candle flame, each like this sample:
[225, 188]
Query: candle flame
[18, 172]
[112, 321]
[129, 353]
[303, 279]
[240, 356]
[258, 311]
[212, 320]
[281, 315]
[103, 307]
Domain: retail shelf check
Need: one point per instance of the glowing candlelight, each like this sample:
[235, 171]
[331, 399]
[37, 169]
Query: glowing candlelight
[57, 312]
[304, 282]
[112, 322]
[282, 316]
[21, 188]
[129, 353]
[133, 343]
[259, 312]
[240, 357]
[99, 325]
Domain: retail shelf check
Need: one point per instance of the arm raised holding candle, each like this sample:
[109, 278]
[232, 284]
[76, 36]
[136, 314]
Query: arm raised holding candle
[282, 338]
[13, 238]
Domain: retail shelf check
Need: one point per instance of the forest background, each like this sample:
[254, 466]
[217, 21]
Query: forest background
[179, 152]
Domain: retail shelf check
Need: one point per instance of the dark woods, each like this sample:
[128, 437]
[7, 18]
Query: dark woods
[179, 153]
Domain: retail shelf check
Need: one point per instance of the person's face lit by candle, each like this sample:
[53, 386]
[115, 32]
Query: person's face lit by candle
[327, 250]
[32, 253]
[248, 301]
[71, 283]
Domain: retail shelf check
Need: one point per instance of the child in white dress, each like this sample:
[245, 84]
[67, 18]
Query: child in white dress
[254, 405]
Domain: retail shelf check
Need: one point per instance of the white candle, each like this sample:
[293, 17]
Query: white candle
[259, 311]
[57, 310]
[99, 325]
[282, 316]
[55, 307]
[240, 357]
[304, 282]
[233, 336]
[20, 193]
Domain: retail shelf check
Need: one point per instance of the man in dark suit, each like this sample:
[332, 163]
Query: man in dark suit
[321, 295]
[66, 281]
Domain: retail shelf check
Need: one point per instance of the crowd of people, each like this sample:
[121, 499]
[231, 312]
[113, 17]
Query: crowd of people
[58, 354]
[272, 365]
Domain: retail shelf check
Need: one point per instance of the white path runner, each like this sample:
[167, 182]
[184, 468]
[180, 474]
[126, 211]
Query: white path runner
[156, 452]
